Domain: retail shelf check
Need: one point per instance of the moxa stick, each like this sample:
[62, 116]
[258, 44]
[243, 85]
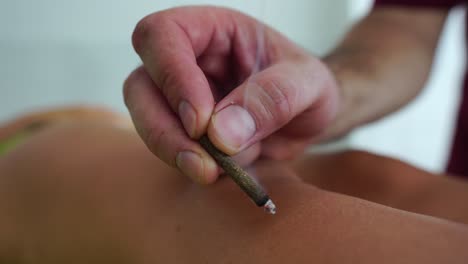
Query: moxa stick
[254, 190]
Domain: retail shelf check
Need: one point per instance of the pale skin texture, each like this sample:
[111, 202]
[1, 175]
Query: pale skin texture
[88, 191]
[193, 56]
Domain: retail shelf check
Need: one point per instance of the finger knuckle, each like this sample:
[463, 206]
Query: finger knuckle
[127, 92]
[140, 33]
[275, 101]
[170, 86]
[128, 86]
[155, 139]
[146, 29]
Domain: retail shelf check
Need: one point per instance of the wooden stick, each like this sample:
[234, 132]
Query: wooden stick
[254, 190]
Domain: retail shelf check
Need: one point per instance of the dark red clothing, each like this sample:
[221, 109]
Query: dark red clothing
[426, 3]
[458, 163]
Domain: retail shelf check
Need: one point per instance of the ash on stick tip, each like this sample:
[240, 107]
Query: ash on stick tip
[270, 207]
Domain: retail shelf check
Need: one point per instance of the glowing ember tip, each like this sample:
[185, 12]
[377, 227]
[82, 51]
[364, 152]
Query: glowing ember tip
[270, 207]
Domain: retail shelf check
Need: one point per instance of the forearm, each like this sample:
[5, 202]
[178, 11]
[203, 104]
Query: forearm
[383, 63]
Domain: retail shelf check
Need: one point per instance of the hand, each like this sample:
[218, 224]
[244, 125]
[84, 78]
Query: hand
[217, 71]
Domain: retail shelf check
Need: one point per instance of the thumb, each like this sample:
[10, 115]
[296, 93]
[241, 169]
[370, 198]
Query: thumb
[266, 102]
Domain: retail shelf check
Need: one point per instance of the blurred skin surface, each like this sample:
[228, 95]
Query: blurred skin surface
[257, 94]
[90, 192]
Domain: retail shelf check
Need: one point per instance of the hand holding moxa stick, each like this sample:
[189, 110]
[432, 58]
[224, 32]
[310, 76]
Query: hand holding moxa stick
[254, 190]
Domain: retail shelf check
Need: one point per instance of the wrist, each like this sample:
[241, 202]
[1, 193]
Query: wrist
[343, 121]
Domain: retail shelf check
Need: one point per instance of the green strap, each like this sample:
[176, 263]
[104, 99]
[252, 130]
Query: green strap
[11, 142]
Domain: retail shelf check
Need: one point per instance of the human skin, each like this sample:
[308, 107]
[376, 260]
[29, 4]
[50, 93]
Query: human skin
[198, 62]
[91, 192]
[217, 71]
[383, 63]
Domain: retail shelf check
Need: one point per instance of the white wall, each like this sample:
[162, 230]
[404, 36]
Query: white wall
[63, 51]
[56, 52]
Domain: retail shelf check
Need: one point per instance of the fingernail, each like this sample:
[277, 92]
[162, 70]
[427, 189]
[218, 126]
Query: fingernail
[189, 117]
[233, 126]
[190, 164]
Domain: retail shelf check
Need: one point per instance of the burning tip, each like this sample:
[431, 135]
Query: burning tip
[270, 207]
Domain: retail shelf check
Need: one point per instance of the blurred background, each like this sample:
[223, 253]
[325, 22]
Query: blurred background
[58, 52]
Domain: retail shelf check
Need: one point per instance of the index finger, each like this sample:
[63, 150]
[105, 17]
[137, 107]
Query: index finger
[169, 52]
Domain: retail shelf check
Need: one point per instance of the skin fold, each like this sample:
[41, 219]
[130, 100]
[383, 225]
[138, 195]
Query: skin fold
[89, 191]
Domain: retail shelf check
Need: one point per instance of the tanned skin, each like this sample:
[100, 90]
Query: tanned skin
[89, 191]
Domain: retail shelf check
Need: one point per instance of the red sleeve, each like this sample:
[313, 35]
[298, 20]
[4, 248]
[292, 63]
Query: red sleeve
[420, 3]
